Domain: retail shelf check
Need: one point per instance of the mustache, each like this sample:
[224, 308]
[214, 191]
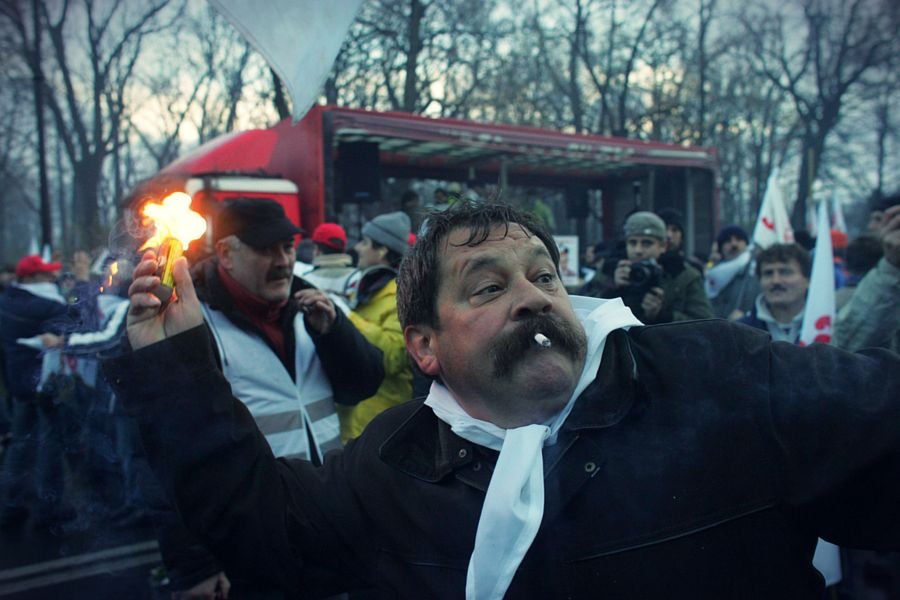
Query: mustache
[511, 347]
[279, 273]
[777, 288]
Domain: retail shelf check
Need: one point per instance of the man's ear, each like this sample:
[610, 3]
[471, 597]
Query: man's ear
[420, 343]
[223, 252]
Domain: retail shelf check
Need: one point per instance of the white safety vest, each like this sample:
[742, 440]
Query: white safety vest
[284, 410]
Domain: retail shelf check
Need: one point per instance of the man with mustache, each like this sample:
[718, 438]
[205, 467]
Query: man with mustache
[286, 350]
[605, 459]
[783, 271]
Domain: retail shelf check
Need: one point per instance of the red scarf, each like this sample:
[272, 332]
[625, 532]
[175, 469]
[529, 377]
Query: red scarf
[262, 313]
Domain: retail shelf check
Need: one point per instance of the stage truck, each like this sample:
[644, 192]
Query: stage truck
[350, 165]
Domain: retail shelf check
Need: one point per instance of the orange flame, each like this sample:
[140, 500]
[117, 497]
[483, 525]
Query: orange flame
[173, 218]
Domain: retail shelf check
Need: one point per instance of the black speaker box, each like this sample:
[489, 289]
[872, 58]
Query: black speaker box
[577, 201]
[360, 172]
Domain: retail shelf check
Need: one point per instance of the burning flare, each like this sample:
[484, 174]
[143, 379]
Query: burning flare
[173, 218]
[175, 227]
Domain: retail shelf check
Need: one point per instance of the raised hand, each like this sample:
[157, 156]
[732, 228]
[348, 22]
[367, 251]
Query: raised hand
[319, 309]
[149, 321]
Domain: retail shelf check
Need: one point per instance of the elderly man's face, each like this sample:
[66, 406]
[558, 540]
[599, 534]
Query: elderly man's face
[264, 272]
[493, 298]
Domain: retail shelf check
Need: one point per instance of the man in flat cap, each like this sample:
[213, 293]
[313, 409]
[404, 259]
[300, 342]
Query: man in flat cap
[287, 352]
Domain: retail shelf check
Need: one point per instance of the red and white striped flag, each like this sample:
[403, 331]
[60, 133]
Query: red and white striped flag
[772, 225]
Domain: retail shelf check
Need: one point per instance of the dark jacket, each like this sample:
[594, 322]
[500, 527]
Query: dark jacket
[703, 462]
[25, 315]
[354, 368]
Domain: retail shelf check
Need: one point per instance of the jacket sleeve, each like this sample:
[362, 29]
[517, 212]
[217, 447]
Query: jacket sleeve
[871, 317]
[695, 304]
[387, 334]
[186, 559]
[835, 418]
[251, 511]
[353, 365]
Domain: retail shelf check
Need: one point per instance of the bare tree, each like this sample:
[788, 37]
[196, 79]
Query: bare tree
[84, 90]
[839, 44]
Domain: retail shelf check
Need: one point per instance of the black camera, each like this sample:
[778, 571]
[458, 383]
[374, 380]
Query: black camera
[644, 274]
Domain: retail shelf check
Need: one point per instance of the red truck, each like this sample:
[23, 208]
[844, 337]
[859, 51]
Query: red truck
[349, 164]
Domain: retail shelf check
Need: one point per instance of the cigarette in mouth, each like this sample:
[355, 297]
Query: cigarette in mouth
[542, 340]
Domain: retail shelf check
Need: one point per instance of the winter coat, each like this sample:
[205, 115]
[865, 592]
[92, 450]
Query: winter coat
[352, 366]
[376, 317]
[872, 316]
[676, 475]
[24, 314]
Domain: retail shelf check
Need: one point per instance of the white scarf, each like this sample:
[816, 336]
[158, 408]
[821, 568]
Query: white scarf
[44, 289]
[718, 277]
[514, 504]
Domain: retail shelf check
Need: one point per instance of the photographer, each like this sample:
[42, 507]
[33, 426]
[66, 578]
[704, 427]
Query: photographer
[657, 285]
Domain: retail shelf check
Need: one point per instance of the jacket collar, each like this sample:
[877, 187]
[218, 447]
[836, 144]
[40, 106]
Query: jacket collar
[424, 447]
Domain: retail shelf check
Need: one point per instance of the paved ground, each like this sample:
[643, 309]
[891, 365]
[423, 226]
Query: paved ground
[98, 563]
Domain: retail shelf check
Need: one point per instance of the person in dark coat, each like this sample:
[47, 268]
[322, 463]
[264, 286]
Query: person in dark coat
[566, 451]
[33, 316]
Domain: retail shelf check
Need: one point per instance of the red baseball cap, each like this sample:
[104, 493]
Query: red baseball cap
[331, 235]
[33, 263]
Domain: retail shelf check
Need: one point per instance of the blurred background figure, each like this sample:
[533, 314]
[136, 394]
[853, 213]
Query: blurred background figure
[783, 271]
[332, 266]
[863, 254]
[34, 315]
[374, 302]
[730, 284]
[658, 286]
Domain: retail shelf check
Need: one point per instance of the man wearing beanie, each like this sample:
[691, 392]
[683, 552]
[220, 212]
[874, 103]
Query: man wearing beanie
[374, 302]
[674, 221]
[730, 285]
[658, 285]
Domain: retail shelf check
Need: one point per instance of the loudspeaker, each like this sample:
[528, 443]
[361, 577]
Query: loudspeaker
[577, 201]
[359, 168]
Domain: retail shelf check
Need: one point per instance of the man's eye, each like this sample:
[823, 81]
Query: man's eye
[546, 278]
[488, 289]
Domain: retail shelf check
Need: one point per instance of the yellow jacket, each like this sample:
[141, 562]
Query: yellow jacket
[377, 320]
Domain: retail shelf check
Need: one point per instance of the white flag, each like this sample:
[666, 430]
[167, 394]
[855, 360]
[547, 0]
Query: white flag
[299, 39]
[772, 224]
[818, 319]
[837, 219]
[811, 225]
[818, 316]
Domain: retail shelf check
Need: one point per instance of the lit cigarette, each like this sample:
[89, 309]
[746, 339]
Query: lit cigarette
[542, 340]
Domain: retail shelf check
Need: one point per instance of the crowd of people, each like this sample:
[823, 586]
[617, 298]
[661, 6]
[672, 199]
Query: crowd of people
[274, 382]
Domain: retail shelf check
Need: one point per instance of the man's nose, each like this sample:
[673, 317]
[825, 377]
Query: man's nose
[283, 255]
[529, 300]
